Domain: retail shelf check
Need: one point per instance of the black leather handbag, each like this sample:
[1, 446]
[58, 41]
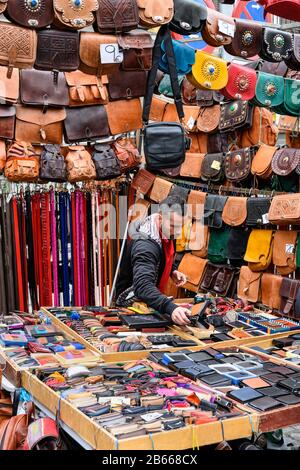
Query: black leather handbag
[277, 45]
[105, 161]
[165, 143]
[213, 208]
[257, 209]
[52, 164]
[189, 17]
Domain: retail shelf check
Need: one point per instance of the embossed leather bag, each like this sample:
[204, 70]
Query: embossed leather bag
[7, 122]
[117, 16]
[9, 87]
[237, 164]
[191, 167]
[127, 85]
[213, 208]
[80, 166]
[247, 39]
[249, 285]
[189, 17]
[22, 163]
[52, 164]
[153, 14]
[262, 161]
[124, 116]
[193, 267]
[89, 53]
[57, 50]
[241, 83]
[208, 72]
[269, 90]
[105, 161]
[85, 89]
[293, 62]
[184, 58]
[235, 115]
[270, 290]
[284, 251]
[276, 46]
[17, 47]
[213, 167]
[38, 127]
[285, 161]
[285, 209]
[257, 209]
[31, 14]
[76, 14]
[127, 154]
[2, 156]
[86, 123]
[137, 46]
[259, 249]
[143, 181]
[39, 89]
[208, 119]
[235, 211]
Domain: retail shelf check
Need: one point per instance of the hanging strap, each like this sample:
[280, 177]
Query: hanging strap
[31, 252]
[89, 251]
[46, 250]
[54, 248]
[72, 235]
[21, 212]
[18, 254]
[64, 248]
[3, 301]
[78, 252]
[96, 288]
[163, 35]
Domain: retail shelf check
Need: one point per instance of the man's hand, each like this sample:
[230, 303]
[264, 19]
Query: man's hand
[179, 278]
[180, 316]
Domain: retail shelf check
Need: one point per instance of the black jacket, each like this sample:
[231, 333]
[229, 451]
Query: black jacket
[141, 268]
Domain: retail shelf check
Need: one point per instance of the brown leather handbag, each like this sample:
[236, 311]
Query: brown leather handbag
[86, 124]
[127, 85]
[160, 189]
[143, 181]
[285, 161]
[85, 89]
[195, 204]
[137, 48]
[157, 109]
[13, 431]
[127, 154]
[124, 116]
[238, 164]
[213, 167]
[7, 122]
[22, 163]
[57, 50]
[191, 167]
[219, 279]
[262, 131]
[52, 164]
[247, 39]
[285, 209]
[289, 297]
[75, 15]
[235, 115]
[153, 14]
[208, 119]
[106, 163]
[249, 285]
[193, 267]
[284, 251]
[270, 290]
[89, 53]
[117, 16]
[17, 48]
[2, 156]
[211, 32]
[262, 161]
[37, 127]
[37, 14]
[80, 166]
[39, 89]
[235, 211]
[9, 89]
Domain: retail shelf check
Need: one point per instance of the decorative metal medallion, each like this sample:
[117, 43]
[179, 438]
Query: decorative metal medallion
[278, 41]
[233, 108]
[247, 38]
[186, 26]
[33, 5]
[270, 89]
[242, 82]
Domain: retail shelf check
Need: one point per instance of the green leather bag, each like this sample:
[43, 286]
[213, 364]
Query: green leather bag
[217, 245]
[269, 90]
[292, 96]
[165, 87]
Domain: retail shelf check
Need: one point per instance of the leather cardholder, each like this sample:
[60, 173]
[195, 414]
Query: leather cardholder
[265, 404]
[289, 400]
[244, 395]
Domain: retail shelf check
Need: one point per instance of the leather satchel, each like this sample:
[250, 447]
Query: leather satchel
[137, 48]
[208, 119]
[195, 204]
[85, 89]
[238, 164]
[75, 15]
[189, 17]
[143, 181]
[18, 47]
[37, 127]
[269, 90]
[247, 39]
[57, 50]
[127, 85]
[263, 129]
[160, 190]
[117, 16]
[262, 161]
[80, 166]
[124, 116]
[276, 46]
[284, 251]
[285, 161]
[127, 154]
[213, 209]
[259, 250]
[208, 72]
[39, 89]
[213, 167]
[106, 163]
[89, 53]
[241, 83]
[293, 62]
[191, 167]
[289, 297]
[285, 209]
[211, 32]
[235, 115]
[7, 122]
[9, 89]
[30, 14]
[199, 238]
[153, 14]
[22, 163]
[270, 290]
[2, 156]
[249, 285]
[235, 211]
[218, 239]
[193, 267]
[257, 210]
[52, 164]
[85, 124]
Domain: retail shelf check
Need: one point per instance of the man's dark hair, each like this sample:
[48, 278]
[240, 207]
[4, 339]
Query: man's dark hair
[173, 204]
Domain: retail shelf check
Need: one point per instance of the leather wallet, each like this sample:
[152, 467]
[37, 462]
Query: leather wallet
[244, 395]
[273, 391]
[289, 399]
[255, 383]
[292, 385]
[215, 379]
[199, 356]
[265, 404]
[274, 378]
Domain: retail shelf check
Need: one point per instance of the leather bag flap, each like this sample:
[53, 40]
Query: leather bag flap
[36, 116]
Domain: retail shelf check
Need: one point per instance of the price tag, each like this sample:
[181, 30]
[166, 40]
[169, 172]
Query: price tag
[191, 123]
[265, 218]
[289, 248]
[226, 28]
[110, 54]
[216, 165]
[151, 417]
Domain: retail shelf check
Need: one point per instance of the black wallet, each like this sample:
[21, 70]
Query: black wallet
[273, 377]
[282, 342]
[215, 379]
[145, 321]
[199, 356]
[289, 400]
[273, 391]
[265, 404]
[244, 395]
[291, 385]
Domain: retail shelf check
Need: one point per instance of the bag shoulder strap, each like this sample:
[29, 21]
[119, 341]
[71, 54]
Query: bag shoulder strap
[163, 35]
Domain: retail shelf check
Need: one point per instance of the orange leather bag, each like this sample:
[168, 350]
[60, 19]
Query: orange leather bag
[22, 163]
[249, 285]
[235, 211]
[2, 156]
[80, 166]
[193, 267]
[261, 163]
[262, 131]
[270, 290]
[32, 125]
[86, 89]
[284, 251]
[191, 167]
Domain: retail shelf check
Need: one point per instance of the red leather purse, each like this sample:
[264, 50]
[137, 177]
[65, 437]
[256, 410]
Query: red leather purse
[241, 83]
[289, 9]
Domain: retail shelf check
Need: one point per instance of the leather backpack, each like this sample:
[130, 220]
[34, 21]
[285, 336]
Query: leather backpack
[57, 50]
[241, 83]
[30, 14]
[117, 16]
[106, 162]
[86, 123]
[276, 46]
[75, 15]
[127, 154]
[85, 89]
[137, 48]
[39, 89]
[189, 17]
[22, 163]
[80, 166]
[52, 164]
[247, 39]
[153, 14]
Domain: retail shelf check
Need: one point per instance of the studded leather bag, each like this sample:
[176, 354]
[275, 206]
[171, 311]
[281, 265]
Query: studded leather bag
[22, 163]
[85, 89]
[30, 13]
[117, 16]
[57, 50]
[213, 167]
[285, 209]
[276, 45]
[238, 164]
[211, 32]
[241, 83]
[189, 17]
[88, 123]
[208, 119]
[208, 72]
[39, 89]
[269, 90]
[285, 161]
[293, 62]
[137, 46]
[76, 14]
[80, 166]
[153, 14]
[235, 115]
[247, 39]
[106, 162]
[127, 154]
[2, 156]
[53, 165]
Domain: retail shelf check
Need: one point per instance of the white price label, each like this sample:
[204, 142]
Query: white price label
[216, 165]
[191, 123]
[289, 248]
[151, 417]
[265, 218]
[226, 28]
[111, 54]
